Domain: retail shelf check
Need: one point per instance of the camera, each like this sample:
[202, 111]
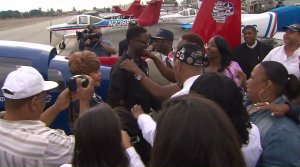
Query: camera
[72, 82]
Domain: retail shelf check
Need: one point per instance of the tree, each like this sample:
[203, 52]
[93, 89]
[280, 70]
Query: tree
[74, 10]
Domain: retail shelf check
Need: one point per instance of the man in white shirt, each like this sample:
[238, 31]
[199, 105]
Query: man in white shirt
[289, 53]
[25, 138]
[162, 42]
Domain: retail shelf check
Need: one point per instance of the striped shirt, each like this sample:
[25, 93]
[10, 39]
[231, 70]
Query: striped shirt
[29, 143]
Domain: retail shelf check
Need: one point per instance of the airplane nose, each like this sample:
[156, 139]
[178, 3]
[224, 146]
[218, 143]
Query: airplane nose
[48, 28]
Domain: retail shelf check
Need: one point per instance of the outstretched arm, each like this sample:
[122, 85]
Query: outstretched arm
[163, 69]
[160, 92]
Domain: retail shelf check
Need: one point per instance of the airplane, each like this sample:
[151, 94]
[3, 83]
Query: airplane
[80, 22]
[183, 17]
[265, 23]
[148, 17]
[268, 24]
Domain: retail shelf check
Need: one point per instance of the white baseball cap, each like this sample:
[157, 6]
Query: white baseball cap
[25, 82]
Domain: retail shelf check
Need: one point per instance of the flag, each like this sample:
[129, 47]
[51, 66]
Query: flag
[219, 17]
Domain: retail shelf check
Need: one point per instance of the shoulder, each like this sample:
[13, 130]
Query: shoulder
[234, 65]
[264, 45]
[124, 41]
[238, 48]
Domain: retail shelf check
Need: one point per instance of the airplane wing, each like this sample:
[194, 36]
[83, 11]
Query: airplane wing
[70, 35]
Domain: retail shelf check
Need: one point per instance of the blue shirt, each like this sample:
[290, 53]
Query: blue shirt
[280, 138]
[99, 50]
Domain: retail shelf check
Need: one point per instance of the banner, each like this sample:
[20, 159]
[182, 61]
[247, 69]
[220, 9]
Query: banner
[219, 17]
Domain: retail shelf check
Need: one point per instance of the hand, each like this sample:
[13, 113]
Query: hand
[125, 139]
[130, 66]
[276, 109]
[149, 54]
[136, 111]
[87, 42]
[243, 78]
[85, 94]
[63, 100]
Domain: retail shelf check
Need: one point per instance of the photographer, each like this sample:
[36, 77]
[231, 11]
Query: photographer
[92, 41]
[25, 137]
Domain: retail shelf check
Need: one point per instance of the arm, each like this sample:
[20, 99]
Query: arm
[61, 103]
[282, 147]
[145, 122]
[160, 92]
[134, 157]
[117, 87]
[290, 110]
[108, 47]
[164, 70]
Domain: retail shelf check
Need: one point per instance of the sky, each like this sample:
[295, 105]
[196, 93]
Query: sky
[65, 5]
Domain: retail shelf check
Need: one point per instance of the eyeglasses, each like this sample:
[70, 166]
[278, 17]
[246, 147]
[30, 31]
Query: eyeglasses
[143, 42]
[47, 97]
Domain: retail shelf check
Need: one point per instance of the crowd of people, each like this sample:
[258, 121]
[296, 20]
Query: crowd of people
[180, 107]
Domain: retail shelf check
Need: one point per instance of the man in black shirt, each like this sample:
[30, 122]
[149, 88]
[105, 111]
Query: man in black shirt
[126, 90]
[123, 45]
[251, 52]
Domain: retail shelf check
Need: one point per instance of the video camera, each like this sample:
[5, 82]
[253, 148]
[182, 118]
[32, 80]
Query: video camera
[72, 82]
[88, 33]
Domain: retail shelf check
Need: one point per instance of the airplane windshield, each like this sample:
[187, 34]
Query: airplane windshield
[73, 21]
[83, 20]
[184, 13]
[94, 20]
[192, 12]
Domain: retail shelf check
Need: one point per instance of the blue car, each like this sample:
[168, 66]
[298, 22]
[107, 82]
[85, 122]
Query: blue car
[52, 67]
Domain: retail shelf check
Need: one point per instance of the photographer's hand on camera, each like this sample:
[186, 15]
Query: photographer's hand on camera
[84, 94]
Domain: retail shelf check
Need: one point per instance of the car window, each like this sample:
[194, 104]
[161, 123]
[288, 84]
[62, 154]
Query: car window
[10, 64]
[56, 75]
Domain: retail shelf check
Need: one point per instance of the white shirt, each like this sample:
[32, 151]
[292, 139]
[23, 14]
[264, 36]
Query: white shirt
[292, 63]
[135, 159]
[186, 86]
[252, 151]
[30, 143]
[148, 127]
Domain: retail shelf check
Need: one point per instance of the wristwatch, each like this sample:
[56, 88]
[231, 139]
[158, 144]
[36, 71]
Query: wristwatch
[139, 76]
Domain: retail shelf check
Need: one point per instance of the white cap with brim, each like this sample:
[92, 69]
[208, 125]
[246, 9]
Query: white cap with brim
[25, 82]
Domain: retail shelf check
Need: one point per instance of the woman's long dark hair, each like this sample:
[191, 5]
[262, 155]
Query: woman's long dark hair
[193, 131]
[224, 92]
[98, 139]
[224, 49]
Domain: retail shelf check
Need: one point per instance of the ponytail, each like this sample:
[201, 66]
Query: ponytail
[292, 88]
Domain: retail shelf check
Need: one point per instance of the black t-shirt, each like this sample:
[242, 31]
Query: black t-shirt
[248, 58]
[125, 90]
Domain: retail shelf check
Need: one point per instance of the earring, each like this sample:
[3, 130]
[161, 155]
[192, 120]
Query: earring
[260, 95]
